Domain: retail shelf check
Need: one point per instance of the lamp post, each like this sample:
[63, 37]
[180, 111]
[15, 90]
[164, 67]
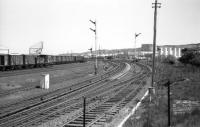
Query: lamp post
[136, 35]
[95, 32]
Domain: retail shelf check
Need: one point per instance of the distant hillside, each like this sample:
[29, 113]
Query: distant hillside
[124, 51]
[182, 46]
[106, 51]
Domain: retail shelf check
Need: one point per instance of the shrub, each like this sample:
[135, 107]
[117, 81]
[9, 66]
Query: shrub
[169, 59]
[196, 60]
[190, 56]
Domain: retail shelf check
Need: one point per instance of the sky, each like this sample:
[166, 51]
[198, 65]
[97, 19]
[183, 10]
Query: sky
[63, 25]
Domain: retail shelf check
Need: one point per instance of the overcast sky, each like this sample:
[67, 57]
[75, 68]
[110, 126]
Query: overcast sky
[63, 25]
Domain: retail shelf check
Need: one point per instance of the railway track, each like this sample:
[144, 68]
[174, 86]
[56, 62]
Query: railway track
[66, 89]
[102, 91]
[15, 111]
[98, 115]
[61, 90]
[98, 94]
[32, 85]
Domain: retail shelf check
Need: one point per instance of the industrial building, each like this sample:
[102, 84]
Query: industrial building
[165, 50]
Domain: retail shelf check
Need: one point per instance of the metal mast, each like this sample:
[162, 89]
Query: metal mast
[95, 31]
[136, 35]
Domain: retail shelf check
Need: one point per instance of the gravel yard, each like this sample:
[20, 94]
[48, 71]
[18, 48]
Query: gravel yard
[58, 79]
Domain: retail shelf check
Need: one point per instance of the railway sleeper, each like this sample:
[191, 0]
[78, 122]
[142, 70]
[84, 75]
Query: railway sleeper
[103, 108]
[74, 125]
[120, 95]
[110, 114]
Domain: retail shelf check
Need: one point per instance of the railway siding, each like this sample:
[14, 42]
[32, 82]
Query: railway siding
[119, 83]
[103, 97]
[91, 81]
[72, 75]
[121, 74]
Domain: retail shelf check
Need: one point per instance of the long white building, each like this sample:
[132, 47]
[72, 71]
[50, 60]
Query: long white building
[174, 50]
[170, 50]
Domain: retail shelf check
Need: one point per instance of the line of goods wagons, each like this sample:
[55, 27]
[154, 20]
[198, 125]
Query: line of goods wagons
[11, 62]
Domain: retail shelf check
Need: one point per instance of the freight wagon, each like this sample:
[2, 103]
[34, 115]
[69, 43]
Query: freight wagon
[12, 62]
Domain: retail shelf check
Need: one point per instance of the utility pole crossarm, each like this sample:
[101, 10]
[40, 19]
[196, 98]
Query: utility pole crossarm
[158, 5]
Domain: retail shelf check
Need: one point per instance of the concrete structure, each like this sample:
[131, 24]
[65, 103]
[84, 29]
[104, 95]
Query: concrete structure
[146, 49]
[45, 81]
[175, 50]
[165, 50]
[170, 50]
[4, 50]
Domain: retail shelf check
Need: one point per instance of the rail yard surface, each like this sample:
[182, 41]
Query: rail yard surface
[22, 83]
[108, 94]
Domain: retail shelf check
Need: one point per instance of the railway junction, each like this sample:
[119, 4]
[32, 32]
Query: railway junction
[76, 96]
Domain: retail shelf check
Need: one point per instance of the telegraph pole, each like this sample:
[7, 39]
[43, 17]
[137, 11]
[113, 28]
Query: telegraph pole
[151, 89]
[155, 6]
[95, 32]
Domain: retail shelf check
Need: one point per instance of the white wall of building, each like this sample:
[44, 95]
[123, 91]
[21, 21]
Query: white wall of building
[174, 51]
